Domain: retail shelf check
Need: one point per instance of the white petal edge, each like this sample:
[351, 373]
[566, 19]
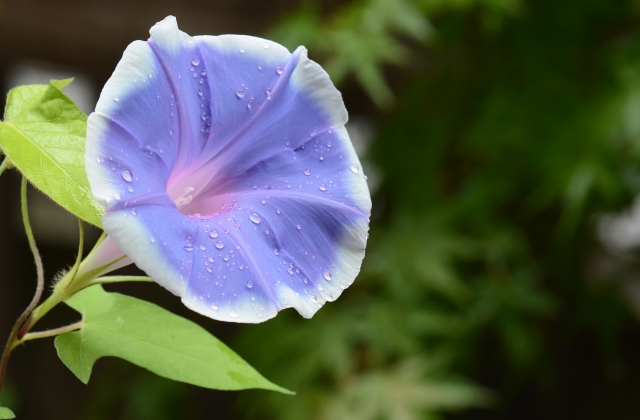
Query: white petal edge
[133, 237]
[310, 78]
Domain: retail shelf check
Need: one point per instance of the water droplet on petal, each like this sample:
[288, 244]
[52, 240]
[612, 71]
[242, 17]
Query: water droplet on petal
[320, 287]
[219, 244]
[327, 276]
[355, 169]
[233, 313]
[323, 187]
[268, 91]
[314, 299]
[255, 218]
[298, 227]
[240, 93]
[279, 70]
[200, 92]
[278, 211]
[249, 284]
[152, 240]
[307, 172]
[214, 306]
[195, 61]
[126, 175]
[275, 251]
[116, 99]
[213, 233]
[265, 45]
[203, 247]
[116, 196]
[241, 51]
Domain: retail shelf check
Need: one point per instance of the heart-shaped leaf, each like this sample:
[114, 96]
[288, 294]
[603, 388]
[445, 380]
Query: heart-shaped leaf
[44, 136]
[153, 338]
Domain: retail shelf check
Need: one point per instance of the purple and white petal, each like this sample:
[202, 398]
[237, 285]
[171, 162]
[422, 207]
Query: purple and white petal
[227, 174]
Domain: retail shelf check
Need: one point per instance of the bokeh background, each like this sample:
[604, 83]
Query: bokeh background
[501, 139]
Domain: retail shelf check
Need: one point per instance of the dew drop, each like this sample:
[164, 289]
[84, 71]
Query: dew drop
[320, 287]
[204, 72]
[249, 284]
[323, 187]
[233, 313]
[203, 116]
[213, 233]
[329, 145]
[116, 99]
[219, 244]
[314, 299]
[211, 259]
[116, 196]
[200, 92]
[195, 61]
[290, 270]
[327, 276]
[126, 175]
[268, 91]
[133, 211]
[279, 70]
[265, 45]
[255, 218]
[278, 211]
[263, 202]
[152, 240]
[250, 104]
[355, 169]
[214, 306]
[241, 51]
[209, 270]
[240, 93]
[259, 66]
[298, 227]
[307, 172]
[203, 247]
[275, 251]
[255, 186]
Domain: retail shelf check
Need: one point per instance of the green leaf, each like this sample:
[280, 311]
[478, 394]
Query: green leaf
[5, 413]
[44, 136]
[153, 338]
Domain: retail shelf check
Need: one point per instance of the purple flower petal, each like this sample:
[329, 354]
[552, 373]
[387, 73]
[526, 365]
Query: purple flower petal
[227, 174]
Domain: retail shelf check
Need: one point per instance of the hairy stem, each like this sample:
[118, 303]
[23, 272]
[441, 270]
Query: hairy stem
[6, 164]
[21, 326]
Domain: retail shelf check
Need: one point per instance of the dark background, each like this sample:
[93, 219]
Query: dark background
[501, 139]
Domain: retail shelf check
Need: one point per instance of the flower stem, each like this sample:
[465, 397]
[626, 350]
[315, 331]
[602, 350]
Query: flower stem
[20, 324]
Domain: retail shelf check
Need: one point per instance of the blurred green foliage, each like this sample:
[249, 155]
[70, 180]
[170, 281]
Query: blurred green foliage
[515, 125]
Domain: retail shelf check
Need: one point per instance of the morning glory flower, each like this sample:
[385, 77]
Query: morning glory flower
[227, 175]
